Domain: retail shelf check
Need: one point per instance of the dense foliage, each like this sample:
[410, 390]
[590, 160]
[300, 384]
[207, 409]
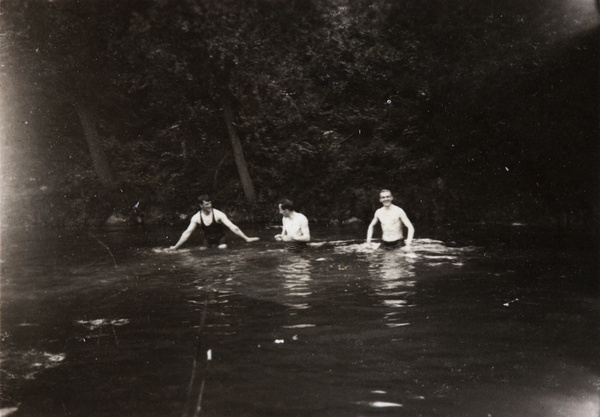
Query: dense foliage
[468, 111]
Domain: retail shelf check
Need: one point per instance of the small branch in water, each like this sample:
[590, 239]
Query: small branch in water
[199, 403]
[194, 368]
[203, 317]
[107, 248]
[115, 334]
[190, 386]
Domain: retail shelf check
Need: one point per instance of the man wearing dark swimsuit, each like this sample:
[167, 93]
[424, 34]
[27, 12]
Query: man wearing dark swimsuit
[212, 222]
[393, 244]
[214, 232]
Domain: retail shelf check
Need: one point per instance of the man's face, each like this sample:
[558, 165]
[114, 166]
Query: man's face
[284, 212]
[386, 198]
[206, 205]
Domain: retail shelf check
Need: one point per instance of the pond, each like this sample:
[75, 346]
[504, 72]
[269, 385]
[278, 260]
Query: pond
[477, 322]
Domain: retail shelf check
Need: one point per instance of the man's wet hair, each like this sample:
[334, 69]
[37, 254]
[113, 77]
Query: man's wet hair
[385, 190]
[286, 204]
[203, 197]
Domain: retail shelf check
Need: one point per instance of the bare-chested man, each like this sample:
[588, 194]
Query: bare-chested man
[212, 222]
[391, 218]
[295, 233]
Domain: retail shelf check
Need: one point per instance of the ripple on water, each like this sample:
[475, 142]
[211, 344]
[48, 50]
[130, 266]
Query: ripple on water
[28, 364]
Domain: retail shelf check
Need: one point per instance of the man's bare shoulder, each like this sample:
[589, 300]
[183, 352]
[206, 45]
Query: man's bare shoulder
[219, 215]
[301, 218]
[397, 209]
[218, 212]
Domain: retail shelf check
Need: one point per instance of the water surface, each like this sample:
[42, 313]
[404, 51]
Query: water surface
[485, 323]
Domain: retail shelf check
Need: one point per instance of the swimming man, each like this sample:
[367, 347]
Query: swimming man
[212, 222]
[295, 233]
[391, 218]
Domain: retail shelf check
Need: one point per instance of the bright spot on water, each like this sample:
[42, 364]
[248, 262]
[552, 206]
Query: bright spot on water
[94, 324]
[7, 411]
[397, 324]
[383, 404]
[55, 358]
[575, 407]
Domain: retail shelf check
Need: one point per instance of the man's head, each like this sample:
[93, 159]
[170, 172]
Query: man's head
[385, 197]
[204, 202]
[286, 207]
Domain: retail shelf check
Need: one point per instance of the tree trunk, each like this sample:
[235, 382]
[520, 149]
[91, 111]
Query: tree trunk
[101, 166]
[216, 176]
[238, 153]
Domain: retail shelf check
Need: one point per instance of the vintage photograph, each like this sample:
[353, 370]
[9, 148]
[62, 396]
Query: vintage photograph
[299, 208]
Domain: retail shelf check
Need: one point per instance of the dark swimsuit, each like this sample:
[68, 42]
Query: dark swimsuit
[214, 233]
[296, 247]
[392, 245]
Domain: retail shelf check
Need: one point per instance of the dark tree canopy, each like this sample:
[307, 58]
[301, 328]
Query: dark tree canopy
[469, 111]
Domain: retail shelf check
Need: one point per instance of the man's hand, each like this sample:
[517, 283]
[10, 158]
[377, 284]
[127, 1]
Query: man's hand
[252, 239]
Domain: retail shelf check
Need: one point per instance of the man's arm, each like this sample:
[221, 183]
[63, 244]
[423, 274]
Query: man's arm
[280, 236]
[305, 230]
[409, 226]
[222, 218]
[371, 228]
[186, 234]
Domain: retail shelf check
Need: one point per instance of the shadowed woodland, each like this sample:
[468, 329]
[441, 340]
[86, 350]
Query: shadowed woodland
[469, 111]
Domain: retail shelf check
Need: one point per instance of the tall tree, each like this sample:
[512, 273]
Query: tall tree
[67, 45]
[238, 153]
[103, 169]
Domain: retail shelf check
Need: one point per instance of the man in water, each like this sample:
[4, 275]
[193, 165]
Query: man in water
[212, 222]
[295, 233]
[391, 218]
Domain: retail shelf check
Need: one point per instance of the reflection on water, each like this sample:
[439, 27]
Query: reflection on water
[392, 273]
[342, 330]
[296, 274]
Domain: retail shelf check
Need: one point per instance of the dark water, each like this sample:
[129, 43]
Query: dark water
[488, 323]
